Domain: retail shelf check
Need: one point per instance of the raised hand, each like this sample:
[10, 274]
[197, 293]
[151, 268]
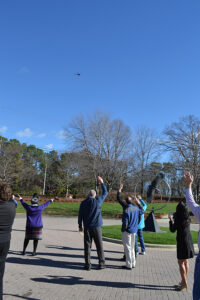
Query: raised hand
[120, 187]
[100, 180]
[188, 179]
[136, 200]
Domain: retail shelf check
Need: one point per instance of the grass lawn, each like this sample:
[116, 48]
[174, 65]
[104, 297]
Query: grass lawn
[109, 210]
[166, 238]
[57, 208]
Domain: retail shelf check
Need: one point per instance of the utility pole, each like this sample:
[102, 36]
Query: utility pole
[45, 176]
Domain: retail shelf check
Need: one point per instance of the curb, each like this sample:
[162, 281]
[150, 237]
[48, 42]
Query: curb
[115, 241]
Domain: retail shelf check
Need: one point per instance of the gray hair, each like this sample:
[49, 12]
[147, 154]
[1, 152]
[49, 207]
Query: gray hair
[92, 193]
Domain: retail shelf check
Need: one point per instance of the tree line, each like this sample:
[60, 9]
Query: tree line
[97, 145]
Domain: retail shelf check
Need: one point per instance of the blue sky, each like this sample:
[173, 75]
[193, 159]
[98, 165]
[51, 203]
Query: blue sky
[139, 61]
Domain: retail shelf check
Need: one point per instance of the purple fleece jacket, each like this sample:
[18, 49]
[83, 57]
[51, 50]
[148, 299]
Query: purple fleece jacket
[34, 214]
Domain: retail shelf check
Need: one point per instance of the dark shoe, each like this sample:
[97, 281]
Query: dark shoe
[88, 268]
[100, 267]
[126, 268]
[23, 252]
[34, 254]
[123, 258]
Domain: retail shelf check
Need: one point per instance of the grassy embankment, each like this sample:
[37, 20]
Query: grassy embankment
[113, 210]
[166, 238]
[110, 210]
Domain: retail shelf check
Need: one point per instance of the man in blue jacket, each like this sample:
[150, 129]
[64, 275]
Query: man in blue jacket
[130, 219]
[90, 216]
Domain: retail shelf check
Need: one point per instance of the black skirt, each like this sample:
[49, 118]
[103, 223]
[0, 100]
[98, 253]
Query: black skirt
[185, 248]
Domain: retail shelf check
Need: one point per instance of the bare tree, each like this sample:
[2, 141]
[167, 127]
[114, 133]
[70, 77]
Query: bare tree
[146, 150]
[107, 143]
[68, 170]
[183, 141]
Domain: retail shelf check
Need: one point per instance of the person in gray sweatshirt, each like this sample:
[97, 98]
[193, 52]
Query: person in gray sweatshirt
[195, 208]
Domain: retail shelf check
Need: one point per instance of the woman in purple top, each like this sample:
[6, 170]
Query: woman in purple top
[34, 223]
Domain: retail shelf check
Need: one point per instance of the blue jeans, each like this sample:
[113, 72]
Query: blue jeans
[140, 236]
[196, 286]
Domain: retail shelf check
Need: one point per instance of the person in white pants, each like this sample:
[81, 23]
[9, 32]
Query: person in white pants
[130, 220]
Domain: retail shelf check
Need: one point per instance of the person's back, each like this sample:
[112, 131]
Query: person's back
[34, 222]
[34, 212]
[130, 220]
[90, 216]
[131, 217]
[7, 215]
[90, 210]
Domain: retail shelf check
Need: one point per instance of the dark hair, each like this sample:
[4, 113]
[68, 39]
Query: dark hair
[182, 216]
[35, 195]
[128, 200]
[5, 191]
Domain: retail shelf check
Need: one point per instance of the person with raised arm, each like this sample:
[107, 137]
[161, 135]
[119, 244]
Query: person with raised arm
[34, 222]
[141, 225]
[195, 208]
[90, 219]
[130, 219]
[124, 206]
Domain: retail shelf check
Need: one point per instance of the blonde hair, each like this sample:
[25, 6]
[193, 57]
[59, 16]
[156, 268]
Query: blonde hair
[92, 193]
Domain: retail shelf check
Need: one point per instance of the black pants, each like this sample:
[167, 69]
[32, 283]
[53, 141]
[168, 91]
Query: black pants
[4, 247]
[96, 235]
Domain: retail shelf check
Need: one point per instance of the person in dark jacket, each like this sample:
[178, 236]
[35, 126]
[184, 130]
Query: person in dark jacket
[34, 223]
[7, 215]
[90, 216]
[124, 206]
[185, 248]
[130, 219]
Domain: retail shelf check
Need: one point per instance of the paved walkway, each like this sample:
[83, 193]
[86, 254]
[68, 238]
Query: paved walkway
[57, 271]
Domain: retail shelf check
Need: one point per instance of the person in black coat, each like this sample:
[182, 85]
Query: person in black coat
[7, 215]
[180, 222]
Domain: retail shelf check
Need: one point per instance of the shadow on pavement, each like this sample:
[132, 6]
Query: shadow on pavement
[22, 297]
[72, 280]
[64, 248]
[78, 249]
[37, 261]
[28, 253]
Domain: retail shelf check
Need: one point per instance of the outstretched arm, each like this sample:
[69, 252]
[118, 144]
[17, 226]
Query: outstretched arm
[119, 199]
[25, 205]
[104, 191]
[43, 206]
[143, 204]
[195, 208]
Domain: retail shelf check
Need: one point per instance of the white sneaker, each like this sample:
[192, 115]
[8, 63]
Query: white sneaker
[142, 253]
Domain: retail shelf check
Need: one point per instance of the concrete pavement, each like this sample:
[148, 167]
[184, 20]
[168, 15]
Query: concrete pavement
[57, 271]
